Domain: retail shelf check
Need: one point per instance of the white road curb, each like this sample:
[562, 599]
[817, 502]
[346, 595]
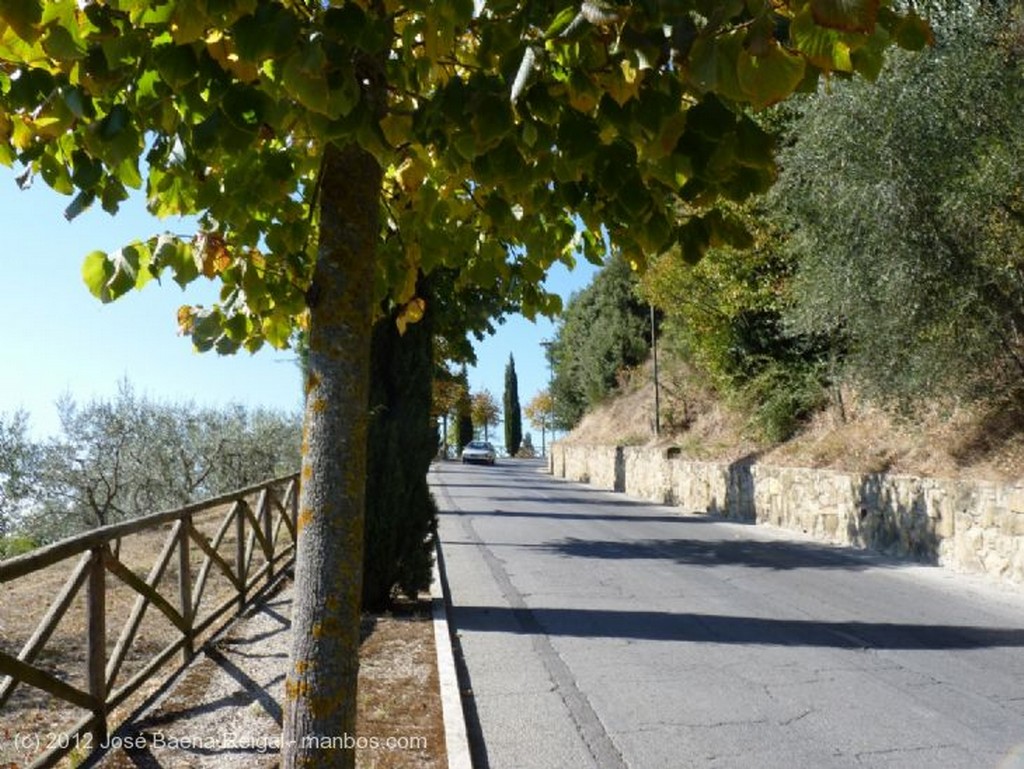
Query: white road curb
[456, 741]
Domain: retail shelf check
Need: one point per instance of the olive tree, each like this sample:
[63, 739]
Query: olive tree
[909, 235]
[18, 455]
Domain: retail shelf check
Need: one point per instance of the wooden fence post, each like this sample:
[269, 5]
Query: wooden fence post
[96, 600]
[240, 551]
[185, 589]
[295, 510]
[268, 529]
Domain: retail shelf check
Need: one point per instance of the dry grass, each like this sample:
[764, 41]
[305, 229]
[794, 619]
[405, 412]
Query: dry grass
[953, 441]
[399, 693]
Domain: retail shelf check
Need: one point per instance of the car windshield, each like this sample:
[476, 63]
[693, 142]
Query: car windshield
[478, 445]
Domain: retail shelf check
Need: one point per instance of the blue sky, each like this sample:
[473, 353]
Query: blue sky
[59, 339]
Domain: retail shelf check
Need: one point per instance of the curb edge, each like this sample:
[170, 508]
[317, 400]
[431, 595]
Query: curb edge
[456, 739]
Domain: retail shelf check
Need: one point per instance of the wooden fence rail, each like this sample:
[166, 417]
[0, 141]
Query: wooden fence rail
[262, 519]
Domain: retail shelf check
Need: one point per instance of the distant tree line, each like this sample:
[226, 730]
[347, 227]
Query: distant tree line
[119, 458]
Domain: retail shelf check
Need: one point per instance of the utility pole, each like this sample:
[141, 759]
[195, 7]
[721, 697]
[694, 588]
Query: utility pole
[547, 344]
[657, 392]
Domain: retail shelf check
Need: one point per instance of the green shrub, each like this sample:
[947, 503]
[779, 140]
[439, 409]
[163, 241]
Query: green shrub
[17, 544]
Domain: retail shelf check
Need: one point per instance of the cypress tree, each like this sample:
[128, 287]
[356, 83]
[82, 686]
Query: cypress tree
[401, 517]
[465, 412]
[513, 414]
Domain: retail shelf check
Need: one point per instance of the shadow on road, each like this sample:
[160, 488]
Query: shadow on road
[584, 516]
[779, 556]
[721, 629]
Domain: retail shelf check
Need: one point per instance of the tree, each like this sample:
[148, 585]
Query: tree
[486, 413]
[464, 412]
[725, 316]
[447, 393]
[604, 330]
[513, 414]
[119, 458]
[334, 151]
[538, 411]
[401, 518]
[909, 239]
[18, 455]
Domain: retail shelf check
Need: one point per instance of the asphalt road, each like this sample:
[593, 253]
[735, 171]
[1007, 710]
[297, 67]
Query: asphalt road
[600, 631]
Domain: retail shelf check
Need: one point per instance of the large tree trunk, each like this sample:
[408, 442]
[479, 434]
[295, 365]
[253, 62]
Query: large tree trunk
[320, 693]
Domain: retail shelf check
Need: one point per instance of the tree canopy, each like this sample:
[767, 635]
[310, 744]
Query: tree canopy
[909, 238]
[223, 110]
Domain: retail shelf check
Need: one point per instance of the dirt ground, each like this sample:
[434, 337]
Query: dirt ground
[226, 710]
[234, 685]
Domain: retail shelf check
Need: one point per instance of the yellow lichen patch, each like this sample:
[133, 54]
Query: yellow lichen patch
[312, 382]
[304, 518]
[296, 689]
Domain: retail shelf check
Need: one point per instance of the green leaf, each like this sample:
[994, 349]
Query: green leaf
[114, 123]
[693, 240]
[305, 80]
[344, 94]
[846, 15]
[189, 21]
[77, 101]
[277, 329]
[81, 202]
[23, 16]
[727, 230]
[178, 65]
[62, 45]
[826, 49]
[562, 20]
[770, 77]
[914, 33]
[245, 107]
[269, 33]
[713, 62]
[96, 271]
[170, 252]
[492, 120]
[55, 174]
[127, 262]
[87, 170]
[114, 193]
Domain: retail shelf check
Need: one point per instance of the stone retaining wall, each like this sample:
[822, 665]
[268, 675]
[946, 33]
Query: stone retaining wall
[969, 526]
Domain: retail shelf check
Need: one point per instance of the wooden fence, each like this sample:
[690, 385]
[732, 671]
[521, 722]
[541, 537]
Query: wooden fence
[261, 522]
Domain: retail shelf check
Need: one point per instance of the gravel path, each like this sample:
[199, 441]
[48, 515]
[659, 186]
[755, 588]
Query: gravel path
[225, 709]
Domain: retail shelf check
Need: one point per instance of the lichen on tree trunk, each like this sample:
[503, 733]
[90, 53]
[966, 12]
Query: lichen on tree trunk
[320, 691]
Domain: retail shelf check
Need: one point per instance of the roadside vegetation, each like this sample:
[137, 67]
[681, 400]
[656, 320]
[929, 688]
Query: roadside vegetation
[882, 277]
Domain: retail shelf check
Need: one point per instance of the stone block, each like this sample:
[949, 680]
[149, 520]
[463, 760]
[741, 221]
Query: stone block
[1015, 500]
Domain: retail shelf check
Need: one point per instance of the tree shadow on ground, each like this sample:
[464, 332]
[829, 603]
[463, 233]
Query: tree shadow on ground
[775, 555]
[721, 629]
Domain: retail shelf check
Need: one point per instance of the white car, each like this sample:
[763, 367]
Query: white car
[480, 452]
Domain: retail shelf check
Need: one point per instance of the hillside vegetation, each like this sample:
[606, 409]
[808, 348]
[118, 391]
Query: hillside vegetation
[983, 442]
[868, 311]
